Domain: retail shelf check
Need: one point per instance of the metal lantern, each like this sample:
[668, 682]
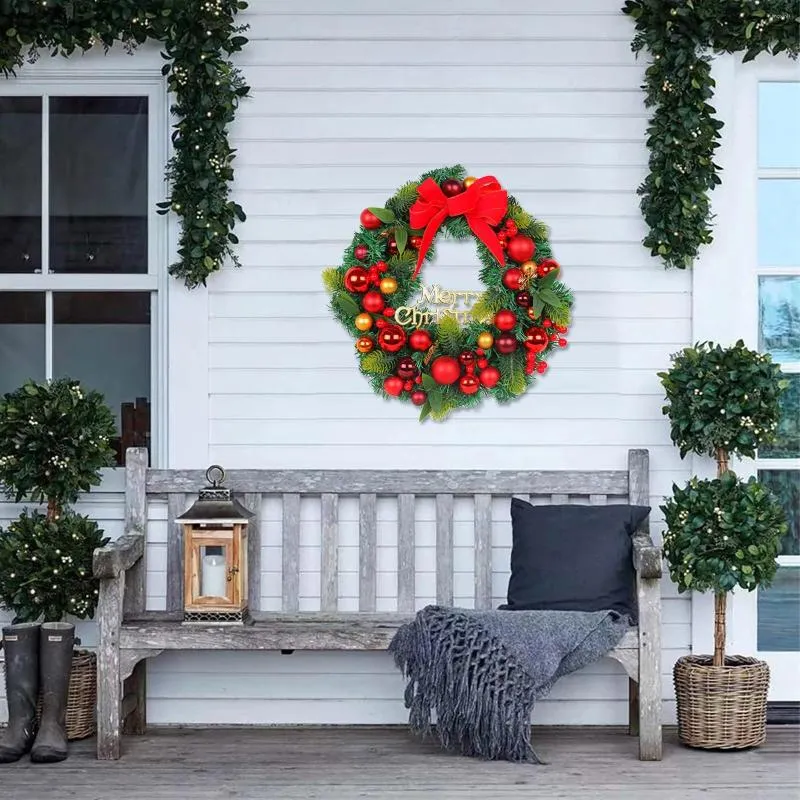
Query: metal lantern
[215, 554]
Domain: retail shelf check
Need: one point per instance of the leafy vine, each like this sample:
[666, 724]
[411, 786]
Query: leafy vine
[683, 133]
[198, 38]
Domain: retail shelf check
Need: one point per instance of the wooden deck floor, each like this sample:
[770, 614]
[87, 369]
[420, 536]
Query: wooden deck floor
[356, 763]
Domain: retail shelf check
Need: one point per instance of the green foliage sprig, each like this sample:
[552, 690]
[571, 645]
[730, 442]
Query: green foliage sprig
[722, 533]
[198, 38]
[54, 439]
[722, 399]
[683, 133]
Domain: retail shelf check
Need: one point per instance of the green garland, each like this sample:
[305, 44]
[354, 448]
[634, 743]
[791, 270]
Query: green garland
[683, 133]
[198, 37]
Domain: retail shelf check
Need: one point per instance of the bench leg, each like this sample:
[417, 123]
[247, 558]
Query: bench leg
[109, 685]
[649, 701]
[135, 723]
[633, 707]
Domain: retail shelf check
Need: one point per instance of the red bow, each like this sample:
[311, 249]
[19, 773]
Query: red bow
[482, 205]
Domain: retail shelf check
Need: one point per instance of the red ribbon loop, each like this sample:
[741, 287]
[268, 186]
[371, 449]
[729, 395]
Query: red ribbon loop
[484, 204]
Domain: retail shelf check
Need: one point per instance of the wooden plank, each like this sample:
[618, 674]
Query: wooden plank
[136, 461]
[424, 483]
[176, 505]
[252, 502]
[444, 549]
[367, 552]
[406, 555]
[118, 556]
[134, 712]
[109, 683]
[290, 580]
[329, 556]
[648, 591]
[639, 477]
[483, 551]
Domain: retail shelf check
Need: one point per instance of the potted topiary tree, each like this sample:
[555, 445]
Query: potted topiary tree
[54, 439]
[722, 533]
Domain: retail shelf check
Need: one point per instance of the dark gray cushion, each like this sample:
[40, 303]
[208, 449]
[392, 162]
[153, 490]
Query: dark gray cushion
[573, 558]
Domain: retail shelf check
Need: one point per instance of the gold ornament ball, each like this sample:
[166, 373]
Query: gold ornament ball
[364, 344]
[388, 285]
[485, 340]
[363, 322]
[468, 181]
[528, 268]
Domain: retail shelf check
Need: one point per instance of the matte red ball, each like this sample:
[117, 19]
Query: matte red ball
[490, 377]
[505, 320]
[523, 299]
[356, 279]
[562, 342]
[391, 338]
[469, 384]
[373, 302]
[513, 279]
[388, 311]
[451, 187]
[393, 386]
[445, 370]
[521, 248]
[482, 363]
[420, 340]
[391, 247]
[505, 343]
[536, 339]
[369, 220]
[361, 251]
[419, 397]
[406, 367]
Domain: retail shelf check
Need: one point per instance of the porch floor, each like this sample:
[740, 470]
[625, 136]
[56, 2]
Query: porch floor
[354, 763]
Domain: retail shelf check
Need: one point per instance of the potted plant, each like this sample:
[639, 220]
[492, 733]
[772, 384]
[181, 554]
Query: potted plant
[54, 439]
[722, 533]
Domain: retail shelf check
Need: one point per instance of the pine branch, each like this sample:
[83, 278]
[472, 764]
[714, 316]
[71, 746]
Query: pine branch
[403, 199]
[375, 363]
[332, 279]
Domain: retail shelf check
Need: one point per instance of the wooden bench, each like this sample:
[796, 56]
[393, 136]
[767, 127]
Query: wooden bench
[129, 635]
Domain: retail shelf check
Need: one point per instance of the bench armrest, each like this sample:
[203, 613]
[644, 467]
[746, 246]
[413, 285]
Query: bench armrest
[118, 556]
[646, 556]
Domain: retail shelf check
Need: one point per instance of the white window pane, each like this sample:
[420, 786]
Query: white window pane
[779, 125]
[778, 617]
[21, 339]
[779, 223]
[779, 317]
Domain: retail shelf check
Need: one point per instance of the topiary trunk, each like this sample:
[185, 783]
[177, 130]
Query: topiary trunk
[720, 598]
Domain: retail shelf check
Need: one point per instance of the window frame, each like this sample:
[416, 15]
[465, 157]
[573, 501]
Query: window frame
[46, 83]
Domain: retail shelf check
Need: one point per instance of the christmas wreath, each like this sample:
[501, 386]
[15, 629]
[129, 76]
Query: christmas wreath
[430, 358]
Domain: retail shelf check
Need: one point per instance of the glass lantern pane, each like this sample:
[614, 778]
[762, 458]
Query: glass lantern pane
[213, 571]
[779, 317]
[787, 445]
[778, 617]
[785, 485]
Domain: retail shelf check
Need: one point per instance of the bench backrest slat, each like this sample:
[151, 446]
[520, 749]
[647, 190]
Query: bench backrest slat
[328, 487]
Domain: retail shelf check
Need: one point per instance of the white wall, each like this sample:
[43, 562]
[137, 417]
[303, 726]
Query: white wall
[346, 106]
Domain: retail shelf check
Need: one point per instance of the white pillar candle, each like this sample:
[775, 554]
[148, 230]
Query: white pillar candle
[213, 580]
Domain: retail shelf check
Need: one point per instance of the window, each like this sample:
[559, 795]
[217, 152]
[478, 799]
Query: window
[80, 245]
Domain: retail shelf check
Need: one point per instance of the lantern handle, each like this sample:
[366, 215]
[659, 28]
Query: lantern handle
[215, 475]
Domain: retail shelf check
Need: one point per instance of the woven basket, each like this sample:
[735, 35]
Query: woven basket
[721, 708]
[82, 698]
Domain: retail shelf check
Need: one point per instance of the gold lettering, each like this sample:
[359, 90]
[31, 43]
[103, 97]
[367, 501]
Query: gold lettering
[404, 314]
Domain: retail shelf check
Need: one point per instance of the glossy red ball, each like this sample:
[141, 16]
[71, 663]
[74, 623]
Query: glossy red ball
[391, 338]
[505, 344]
[469, 384]
[391, 247]
[406, 367]
[521, 248]
[418, 397]
[420, 340]
[547, 266]
[393, 386]
[445, 370]
[513, 279]
[369, 220]
[356, 279]
[361, 251]
[536, 339]
[415, 242]
[505, 320]
[451, 187]
[523, 299]
[490, 377]
[373, 302]
[466, 358]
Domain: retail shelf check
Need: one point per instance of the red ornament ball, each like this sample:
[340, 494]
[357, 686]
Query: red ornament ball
[373, 302]
[469, 384]
[406, 368]
[388, 311]
[369, 220]
[482, 363]
[536, 339]
[393, 386]
[361, 252]
[523, 299]
[420, 340]
[513, 279]
[547, 266]
[451, 187]
[445, 370]
[505, 344]
[562, 342]
[382, 266]
[467, 358]
[505, 320]
[391, 338]
[408, 386]
[521, 248]
[490, 377]
[391, 247]
[418, 397]
[547, 323]
[415, 242]
[356, 279]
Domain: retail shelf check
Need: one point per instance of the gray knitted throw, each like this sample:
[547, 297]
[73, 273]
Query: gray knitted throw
[482, 671]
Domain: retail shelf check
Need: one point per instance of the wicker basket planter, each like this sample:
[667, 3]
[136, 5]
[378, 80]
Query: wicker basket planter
[721, 708]
[82, 700]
